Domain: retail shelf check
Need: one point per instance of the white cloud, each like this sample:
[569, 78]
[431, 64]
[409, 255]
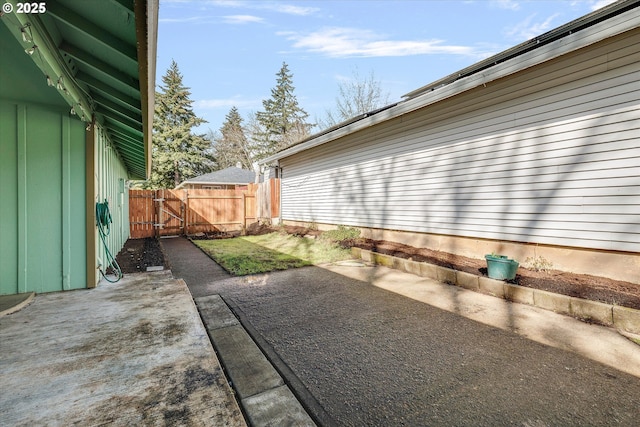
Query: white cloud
[289, 9]
[191, 19]
[276, 6]
[598, 4]
[242, 19]
[350, 42]
[236, 101]
[506, 4]
[530, 28]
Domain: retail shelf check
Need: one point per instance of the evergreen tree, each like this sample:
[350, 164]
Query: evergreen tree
[232, 146]
[177, 153]
[283, 121]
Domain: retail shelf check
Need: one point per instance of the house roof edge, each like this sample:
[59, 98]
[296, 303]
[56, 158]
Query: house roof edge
[523, 53]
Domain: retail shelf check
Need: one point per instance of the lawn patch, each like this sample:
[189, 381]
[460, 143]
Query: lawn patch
[270, 252]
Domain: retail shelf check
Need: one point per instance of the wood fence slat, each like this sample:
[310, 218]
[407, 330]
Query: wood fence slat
[200, 211]
[197, 210]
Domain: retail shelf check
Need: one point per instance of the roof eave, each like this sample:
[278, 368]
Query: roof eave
[534, 43]
[146, 13]
[525, 58]
[52, 64]
[183, 183]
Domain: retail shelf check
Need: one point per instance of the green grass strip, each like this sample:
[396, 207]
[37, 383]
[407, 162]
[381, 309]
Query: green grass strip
[260, 254]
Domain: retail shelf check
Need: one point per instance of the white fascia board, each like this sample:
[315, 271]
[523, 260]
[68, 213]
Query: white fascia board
[600, 31]
[182, 184]
[153, 7]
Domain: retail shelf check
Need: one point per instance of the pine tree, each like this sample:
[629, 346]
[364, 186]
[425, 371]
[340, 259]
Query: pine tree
[232, 146]
[177, 153]
[283, 121]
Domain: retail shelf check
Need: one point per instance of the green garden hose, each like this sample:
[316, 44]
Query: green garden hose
[103, 220]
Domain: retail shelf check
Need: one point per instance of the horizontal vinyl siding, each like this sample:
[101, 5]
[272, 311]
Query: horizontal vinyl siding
[550, 155]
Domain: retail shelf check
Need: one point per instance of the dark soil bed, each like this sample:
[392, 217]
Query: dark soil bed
[576, 285]
[138, 254]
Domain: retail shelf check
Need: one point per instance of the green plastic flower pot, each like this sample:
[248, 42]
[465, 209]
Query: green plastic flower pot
[500, 267]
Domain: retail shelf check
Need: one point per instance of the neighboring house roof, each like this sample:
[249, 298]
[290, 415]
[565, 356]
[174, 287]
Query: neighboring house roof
[552, 44]
[100, 56]
[228, 176]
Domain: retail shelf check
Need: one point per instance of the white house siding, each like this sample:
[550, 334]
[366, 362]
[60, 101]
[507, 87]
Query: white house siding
[549, 155]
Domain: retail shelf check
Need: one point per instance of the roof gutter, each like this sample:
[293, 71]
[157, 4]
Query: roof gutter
[32, 35]
[183, 183]
[342, 125]
[576, 25]
[496, 67]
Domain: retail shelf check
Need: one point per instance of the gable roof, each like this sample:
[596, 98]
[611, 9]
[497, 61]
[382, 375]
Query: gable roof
[228, 176]
[606, 22]
[100, 57]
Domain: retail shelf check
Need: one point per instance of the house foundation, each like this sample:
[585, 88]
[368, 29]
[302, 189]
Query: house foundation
[623, 266]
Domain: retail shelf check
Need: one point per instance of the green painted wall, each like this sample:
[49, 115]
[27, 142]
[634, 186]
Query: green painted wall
[43, 212]
[42, 182]
[42, 188]
[111, 178]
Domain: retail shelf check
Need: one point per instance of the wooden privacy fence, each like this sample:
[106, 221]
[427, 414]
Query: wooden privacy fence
[268, 199]
[174, 212]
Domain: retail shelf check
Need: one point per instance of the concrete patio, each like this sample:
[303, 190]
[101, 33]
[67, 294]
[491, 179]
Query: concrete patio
[130, 353]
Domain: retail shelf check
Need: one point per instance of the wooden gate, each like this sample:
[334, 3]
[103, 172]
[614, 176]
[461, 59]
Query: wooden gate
[142, 213]
[174, 212]
[170, 212]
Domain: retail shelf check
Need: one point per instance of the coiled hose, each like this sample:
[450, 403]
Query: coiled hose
[103, 220]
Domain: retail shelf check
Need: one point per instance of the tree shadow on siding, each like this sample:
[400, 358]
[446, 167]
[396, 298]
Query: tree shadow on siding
[518, 200]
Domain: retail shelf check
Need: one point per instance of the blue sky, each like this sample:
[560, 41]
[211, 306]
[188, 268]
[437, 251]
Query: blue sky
[229, 51]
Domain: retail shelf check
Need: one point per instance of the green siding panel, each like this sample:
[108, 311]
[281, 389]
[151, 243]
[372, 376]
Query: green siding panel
[43, 192]
[111, 177]
[43, 204]
[9, 197]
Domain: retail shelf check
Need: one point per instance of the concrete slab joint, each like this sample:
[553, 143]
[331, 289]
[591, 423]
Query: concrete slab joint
[593, 311]
[273, 408]
[266, 400]
[626, 319]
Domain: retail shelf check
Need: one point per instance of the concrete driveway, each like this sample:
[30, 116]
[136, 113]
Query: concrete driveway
[130, 353]
[372, 346]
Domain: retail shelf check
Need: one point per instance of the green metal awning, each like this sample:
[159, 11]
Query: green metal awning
[100, 56]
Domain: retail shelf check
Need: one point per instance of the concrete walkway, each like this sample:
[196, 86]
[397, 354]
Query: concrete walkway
[596, 342]
[265, 397]
[130, 353]
[370, 344]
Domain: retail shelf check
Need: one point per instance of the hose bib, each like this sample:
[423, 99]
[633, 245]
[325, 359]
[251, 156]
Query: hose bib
[104, 221]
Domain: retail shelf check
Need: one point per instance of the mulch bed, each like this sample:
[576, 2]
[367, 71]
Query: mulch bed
[139, 254]
[576, 285]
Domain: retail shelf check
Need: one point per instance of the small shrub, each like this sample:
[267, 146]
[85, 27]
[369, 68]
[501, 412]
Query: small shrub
[538, 263]
[341, 233]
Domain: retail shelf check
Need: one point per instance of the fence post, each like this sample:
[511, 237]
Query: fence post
[244, 210]
[185, 215]
[158, 215]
